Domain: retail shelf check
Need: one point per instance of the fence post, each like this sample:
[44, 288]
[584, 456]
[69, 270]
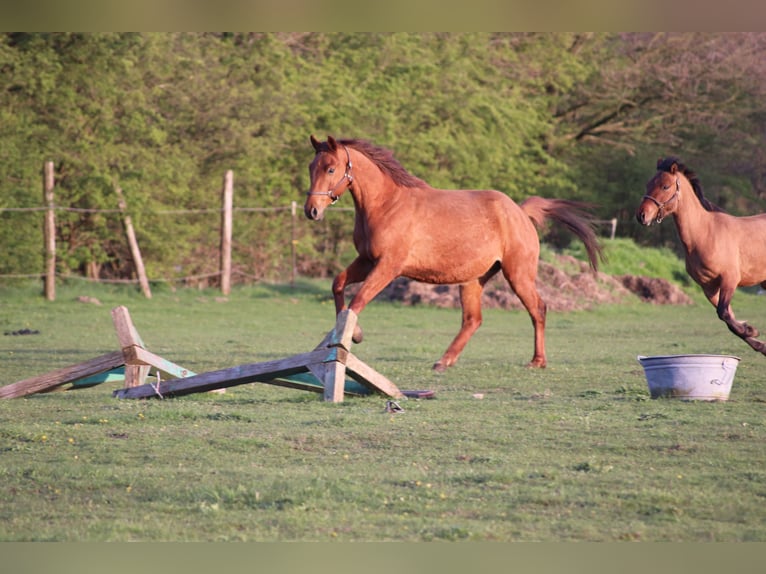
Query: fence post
[293, 241]
[133, 244]
[49, 232]
[226, 231]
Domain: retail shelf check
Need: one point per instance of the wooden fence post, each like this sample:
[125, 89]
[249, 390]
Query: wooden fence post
[226, 231]
[133, 244]
[49, 232]
[293, 241]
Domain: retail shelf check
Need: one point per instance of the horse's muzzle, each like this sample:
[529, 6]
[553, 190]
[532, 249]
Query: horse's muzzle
[643, 217]
[313, 213]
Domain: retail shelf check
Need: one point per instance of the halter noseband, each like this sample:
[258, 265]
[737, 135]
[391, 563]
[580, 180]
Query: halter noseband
[346, 176]
[661, 205]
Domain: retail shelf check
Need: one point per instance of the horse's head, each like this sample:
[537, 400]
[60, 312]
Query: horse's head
[663, 193]
[330, 174]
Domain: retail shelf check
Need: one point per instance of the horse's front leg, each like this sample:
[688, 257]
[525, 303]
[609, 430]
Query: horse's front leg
[375, 276]
[748, 333]
[354, 273]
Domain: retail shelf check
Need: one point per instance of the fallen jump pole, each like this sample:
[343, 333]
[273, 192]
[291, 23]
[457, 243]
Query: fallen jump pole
[134, 358]
[330, 363]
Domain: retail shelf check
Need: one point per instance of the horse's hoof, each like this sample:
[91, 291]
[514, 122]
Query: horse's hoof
[439, 367]
[751, 332]
[536, 364]
[358, 336]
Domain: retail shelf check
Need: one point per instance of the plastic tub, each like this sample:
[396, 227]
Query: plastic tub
[690, 377]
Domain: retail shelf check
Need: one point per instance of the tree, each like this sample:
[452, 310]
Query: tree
[698, 96]
[163, 116]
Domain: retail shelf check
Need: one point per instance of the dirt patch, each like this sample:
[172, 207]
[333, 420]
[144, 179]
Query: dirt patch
[567, 286]
[654, 290]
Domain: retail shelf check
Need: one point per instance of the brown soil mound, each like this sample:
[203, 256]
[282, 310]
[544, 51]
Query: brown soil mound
[567, 287]
[654, 290]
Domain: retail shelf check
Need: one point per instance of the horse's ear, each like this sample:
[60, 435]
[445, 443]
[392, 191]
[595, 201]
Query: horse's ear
[315, 142]
[673, 168]
[332, 143]
[659, 162]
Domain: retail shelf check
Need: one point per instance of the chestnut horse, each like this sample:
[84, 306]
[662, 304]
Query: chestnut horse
[404, 227]
[723, 252]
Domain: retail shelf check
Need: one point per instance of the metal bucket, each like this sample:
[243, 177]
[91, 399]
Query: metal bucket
[690, 377]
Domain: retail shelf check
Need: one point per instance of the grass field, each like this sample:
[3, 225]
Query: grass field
[577, 452]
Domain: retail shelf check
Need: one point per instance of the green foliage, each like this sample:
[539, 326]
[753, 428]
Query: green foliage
[624, 257]
[164, 115]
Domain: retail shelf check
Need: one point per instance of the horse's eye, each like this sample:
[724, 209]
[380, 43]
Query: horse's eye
[331, 170]
[664, 187]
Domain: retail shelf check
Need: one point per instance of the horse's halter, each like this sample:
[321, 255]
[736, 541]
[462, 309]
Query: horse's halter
[346, 176]
[661, 204]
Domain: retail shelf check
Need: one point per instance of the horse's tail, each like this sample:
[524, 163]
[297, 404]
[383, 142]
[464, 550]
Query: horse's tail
[571, 214]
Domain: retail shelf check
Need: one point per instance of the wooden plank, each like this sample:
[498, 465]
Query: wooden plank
[126, 332]
[366, 375]
[323, 370]
[141, 356]
[309, 382]
[112, 376]
[318, 371]
[137, 358]
[62, 376]
[230, 377]
[341, 335]
[334, 382]
[135, 375]
[344, 328]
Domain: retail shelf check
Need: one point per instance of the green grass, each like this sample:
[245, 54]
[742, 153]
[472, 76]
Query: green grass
[577, 452]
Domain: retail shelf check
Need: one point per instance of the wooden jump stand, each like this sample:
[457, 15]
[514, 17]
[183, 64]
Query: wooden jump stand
[134, 360]
[330, 368]
[325, 369]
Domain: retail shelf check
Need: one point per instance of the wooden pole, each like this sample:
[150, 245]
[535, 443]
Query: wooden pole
[135, 375]
[133, 243]
[49, 232]
[328, 365]
[226, 231]
[48, 381]
[293, 241]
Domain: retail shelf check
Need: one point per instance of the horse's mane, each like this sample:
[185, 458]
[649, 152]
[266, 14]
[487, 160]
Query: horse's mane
[667, 163]
[385, 160]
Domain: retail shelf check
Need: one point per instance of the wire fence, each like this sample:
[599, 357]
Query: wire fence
[225, 211]
[610, 224]
[121, 212]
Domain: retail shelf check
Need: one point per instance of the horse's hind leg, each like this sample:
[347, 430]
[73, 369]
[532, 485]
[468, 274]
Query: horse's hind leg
[524, 287]
[470, 299]
[748, 333]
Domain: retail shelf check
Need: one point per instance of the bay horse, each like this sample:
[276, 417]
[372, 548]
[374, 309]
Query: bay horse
[722, 251]
[404, 227]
